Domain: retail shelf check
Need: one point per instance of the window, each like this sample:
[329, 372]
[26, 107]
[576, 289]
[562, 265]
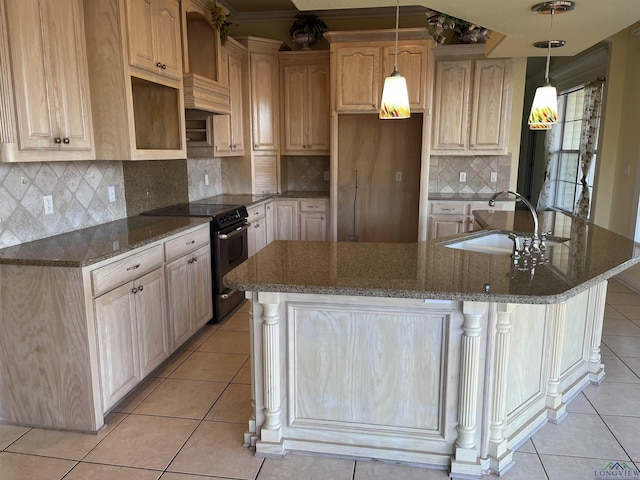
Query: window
[566, 170]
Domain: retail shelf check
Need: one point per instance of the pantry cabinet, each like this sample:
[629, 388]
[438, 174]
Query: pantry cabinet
[304, 97]
[472, 104]
[139, 113]
[154, 38]
[44, 82]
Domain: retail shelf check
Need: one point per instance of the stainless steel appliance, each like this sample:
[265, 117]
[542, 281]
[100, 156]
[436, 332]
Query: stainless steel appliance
[229, 247]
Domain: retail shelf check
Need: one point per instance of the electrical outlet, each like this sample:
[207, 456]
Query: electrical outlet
[112, 194]
[206, 179]
[626, 170]
[398, 176]
[326, 175]
[463, 176]
[23, 180]
[48, 204]
[494, 176]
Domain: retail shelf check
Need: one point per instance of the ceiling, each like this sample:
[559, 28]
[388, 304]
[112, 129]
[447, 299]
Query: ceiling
[517, 26]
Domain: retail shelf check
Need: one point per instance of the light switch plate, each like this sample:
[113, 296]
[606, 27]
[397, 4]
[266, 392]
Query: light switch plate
[206, 179]
[494, 176]
[326, 175]
[463, 176]
[112, 194]
[398, 176]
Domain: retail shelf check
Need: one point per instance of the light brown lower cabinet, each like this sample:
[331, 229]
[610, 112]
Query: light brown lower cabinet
[132, 334]
[75, 340]
[189, 302]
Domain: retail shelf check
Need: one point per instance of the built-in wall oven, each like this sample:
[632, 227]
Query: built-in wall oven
[229, 247]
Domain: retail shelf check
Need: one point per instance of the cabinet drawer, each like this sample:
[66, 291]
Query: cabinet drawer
[448, 208]
[186, 243]
[256, 212]
[122, 271]
[313, 205]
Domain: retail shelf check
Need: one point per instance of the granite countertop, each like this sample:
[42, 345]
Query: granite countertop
[469, 197]
[248, 199]
[431, 270]
[94, 244]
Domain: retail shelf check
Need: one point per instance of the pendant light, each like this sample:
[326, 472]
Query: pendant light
[395, 97]
[544, 110]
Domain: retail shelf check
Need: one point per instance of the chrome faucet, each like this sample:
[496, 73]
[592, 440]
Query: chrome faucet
[535, 239]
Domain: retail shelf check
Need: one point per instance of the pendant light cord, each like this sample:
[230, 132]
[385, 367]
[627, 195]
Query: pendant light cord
[395, 67]
[546, 74]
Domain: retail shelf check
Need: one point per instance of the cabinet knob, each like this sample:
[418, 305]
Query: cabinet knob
[134, 290]
[140, 288]
[164, 66]
[66, 140]
[321, 218]
[57, 140]
[255, 146]
[158, 64]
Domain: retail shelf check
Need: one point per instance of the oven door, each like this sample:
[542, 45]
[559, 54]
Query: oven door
[231, 249]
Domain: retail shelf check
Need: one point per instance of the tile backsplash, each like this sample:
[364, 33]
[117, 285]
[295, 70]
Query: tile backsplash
[80, 198]
[199, 171]
[444, 174]
[304, 174]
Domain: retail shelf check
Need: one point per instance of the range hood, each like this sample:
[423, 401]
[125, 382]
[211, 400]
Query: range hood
[205, 87]
[202, 93]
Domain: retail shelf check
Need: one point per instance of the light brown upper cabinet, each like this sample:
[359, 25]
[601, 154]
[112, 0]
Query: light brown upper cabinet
[363, 63]
[304, 97]
[264, 103]
[205, 87]
[138, 109]
[264, 92]
[44, 83]
[228, 130]
[472, 104]
[154, 36]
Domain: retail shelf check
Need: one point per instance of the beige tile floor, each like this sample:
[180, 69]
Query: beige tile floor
[186, 422]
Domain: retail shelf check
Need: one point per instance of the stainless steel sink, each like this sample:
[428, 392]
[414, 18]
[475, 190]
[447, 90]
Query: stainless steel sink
[494, 243]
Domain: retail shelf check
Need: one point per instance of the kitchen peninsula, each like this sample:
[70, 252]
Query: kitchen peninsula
[422, 354]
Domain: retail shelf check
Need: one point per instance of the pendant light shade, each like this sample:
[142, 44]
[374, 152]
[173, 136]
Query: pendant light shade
[544, 110]
[395, 96]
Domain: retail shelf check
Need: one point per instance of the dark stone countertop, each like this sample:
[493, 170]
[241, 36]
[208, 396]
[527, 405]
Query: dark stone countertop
[430, 270]
[94, 244]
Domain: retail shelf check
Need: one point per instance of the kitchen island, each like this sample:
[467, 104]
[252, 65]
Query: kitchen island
[419, 353]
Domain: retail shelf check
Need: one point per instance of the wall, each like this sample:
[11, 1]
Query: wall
[617, 194]
[80, 198]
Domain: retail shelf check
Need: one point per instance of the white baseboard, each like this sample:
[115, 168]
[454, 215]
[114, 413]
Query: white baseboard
[628, 281]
